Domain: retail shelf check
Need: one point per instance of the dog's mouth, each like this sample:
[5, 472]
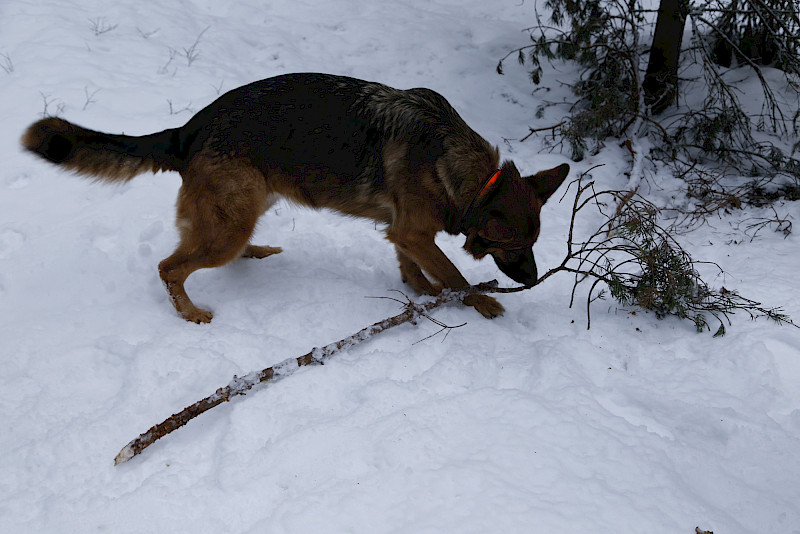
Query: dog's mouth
[516, 263]
[519, 265]
[477, 246]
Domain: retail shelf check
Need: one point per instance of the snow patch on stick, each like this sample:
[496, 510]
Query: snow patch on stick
[317, 356]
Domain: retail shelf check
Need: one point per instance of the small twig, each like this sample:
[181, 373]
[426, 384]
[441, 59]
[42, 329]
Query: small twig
[173, 111]
[535, 130]
[146, 35]
[89, 97]
[99, 26]
[7, 65]
[46, 101]
[442, 328]
[192, 53]
[172, 54]
[782, 224]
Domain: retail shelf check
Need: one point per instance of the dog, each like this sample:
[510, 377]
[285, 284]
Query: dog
[403, 158]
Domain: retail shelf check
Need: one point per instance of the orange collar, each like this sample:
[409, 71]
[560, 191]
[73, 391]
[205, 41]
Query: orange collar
[489, 183]
[487, 186]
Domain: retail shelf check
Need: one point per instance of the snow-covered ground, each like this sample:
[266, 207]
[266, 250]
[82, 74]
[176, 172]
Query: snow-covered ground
[524, 424]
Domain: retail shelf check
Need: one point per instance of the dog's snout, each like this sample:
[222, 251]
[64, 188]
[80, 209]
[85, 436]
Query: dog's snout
[521, 268]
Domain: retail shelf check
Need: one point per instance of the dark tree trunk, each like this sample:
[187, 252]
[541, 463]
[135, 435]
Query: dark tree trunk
[661, 80]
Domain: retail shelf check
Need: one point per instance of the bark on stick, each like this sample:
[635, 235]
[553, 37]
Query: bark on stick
[317, 356]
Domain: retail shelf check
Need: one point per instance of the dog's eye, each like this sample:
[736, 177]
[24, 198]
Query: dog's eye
[497, 232]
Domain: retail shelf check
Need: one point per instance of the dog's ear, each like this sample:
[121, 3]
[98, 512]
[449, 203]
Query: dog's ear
[546, 182]
[496, 231]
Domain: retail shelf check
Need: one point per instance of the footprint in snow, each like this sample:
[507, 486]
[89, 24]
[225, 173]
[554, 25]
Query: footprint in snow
[10, 241]
[147, 236]
[19, 181]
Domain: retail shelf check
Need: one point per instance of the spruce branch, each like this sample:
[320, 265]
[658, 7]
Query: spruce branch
[607, 40]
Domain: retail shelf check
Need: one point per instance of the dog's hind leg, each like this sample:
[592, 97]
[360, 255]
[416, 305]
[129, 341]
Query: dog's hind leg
[255, 251]
[262, 251]
[218, 207]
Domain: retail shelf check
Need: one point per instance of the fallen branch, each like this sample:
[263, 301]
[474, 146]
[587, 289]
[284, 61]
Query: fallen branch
[317, 356]
[546, 128]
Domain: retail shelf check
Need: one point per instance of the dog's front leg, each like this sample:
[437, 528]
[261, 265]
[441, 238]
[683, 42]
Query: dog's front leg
[421, 248]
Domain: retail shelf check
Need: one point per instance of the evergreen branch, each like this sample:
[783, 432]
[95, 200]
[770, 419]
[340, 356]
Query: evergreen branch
[608, 41]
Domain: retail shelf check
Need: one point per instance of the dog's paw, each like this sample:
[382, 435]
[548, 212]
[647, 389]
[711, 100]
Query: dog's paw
[487, 306]
[254, 251]
[197, 315]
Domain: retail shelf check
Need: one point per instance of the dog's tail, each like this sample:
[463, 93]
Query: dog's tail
[107, 157]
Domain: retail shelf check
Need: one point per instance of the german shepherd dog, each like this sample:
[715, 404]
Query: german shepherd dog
[404, 158]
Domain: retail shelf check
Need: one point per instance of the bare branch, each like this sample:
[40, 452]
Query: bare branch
[317, 356]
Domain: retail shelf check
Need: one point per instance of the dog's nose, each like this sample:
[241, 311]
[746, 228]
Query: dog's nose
[530, 275]
[522, 269]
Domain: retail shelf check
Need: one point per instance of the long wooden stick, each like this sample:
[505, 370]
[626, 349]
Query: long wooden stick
[317, 356]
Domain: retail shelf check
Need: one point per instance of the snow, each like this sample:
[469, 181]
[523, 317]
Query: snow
[527, 423]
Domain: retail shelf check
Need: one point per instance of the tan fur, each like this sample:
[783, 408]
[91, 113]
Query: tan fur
[218, 206]
[102, 165]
